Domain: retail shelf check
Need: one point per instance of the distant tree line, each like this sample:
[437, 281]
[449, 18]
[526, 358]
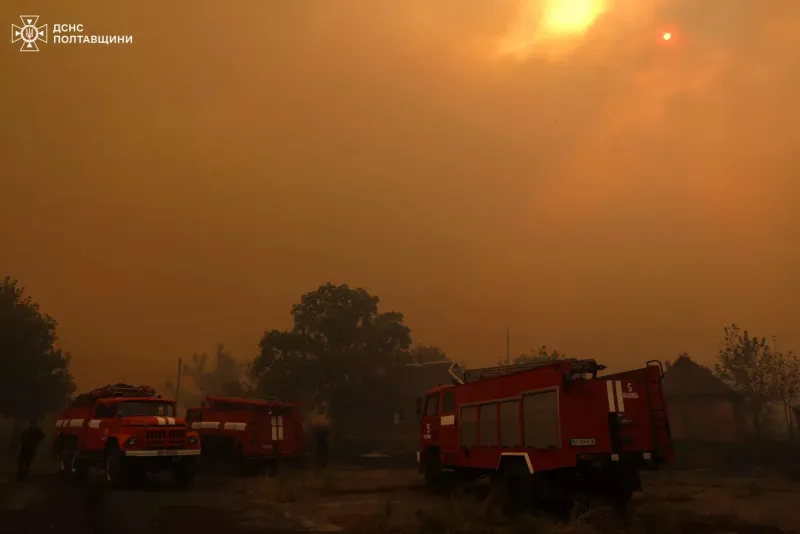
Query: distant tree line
[340, 346]
[542, 354]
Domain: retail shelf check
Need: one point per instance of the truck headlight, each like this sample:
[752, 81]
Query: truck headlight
[131, 441]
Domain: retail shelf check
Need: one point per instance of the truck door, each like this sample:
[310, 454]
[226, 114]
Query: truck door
[447, 427]
[276, 434]
[430, 421]
[291, 433]
[262, 429]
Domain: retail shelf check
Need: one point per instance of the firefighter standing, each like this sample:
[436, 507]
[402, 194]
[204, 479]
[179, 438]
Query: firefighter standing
[28, 442]
[321, 447]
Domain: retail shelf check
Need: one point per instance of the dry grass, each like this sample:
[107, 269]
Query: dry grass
[382, 502]
[280, 490]
[290, 484]
[649, 516]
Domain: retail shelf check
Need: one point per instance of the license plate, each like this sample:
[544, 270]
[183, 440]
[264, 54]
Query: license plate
[167, 453]
[587, 442]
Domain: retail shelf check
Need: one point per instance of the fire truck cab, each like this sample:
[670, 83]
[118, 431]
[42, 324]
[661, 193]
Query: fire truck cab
[127, 431]
[255, 435]
[547, 430]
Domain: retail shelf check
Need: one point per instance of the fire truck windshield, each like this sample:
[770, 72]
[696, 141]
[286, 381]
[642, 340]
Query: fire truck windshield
[156, 409]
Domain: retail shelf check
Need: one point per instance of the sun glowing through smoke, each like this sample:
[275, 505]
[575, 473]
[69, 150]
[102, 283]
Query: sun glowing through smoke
[551, 26]
[570, 16]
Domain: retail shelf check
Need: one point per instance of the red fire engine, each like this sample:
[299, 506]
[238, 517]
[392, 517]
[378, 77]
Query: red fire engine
[129, 432]
[253, 434]
[549, 430]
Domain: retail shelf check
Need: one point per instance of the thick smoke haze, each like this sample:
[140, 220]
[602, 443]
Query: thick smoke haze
[604, 191]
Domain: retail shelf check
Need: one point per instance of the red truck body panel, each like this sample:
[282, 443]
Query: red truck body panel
[548, 415]
[258, 428]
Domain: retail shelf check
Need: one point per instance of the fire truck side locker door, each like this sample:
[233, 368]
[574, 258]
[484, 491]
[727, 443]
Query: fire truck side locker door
[448, 427]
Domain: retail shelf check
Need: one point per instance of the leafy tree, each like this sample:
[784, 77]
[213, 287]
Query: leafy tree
[225, 378]
[34, 375]
[785, 384]
[427, 353]
[339, 345]
[535, 355]
[746, 363]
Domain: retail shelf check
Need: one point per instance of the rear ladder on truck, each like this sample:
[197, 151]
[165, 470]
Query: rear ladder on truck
[662, 435]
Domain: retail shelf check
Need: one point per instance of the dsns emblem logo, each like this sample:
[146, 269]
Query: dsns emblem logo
[29, 33]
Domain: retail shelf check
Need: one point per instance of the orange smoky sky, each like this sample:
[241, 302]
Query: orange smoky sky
[551, 166]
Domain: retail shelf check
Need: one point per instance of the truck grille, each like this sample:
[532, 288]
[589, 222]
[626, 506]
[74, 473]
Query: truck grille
[166, 437]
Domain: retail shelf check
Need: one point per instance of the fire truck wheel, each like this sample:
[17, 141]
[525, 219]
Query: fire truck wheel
[66, 462]
[435, 478]
[623, 498]
[208, 463]
[113, 468]
[514, 487]
[78, 468]
[621, 495]
[622, 485]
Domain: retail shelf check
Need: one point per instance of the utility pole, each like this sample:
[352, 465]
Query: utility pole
[508, 347]
[178, 381]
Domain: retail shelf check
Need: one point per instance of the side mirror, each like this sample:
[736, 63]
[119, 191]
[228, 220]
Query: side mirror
[419, 407]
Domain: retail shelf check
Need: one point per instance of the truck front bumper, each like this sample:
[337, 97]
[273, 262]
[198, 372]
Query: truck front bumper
[163, 453]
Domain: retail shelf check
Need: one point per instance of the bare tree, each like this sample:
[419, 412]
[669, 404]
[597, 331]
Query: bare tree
[225, 378]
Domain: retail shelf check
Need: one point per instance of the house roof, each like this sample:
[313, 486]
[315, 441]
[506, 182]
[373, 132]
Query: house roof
[686, 377]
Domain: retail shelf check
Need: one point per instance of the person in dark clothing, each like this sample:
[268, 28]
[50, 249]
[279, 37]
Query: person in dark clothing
[28, 442]
[321, 447]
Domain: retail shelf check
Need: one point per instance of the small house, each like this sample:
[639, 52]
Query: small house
[702, 407]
